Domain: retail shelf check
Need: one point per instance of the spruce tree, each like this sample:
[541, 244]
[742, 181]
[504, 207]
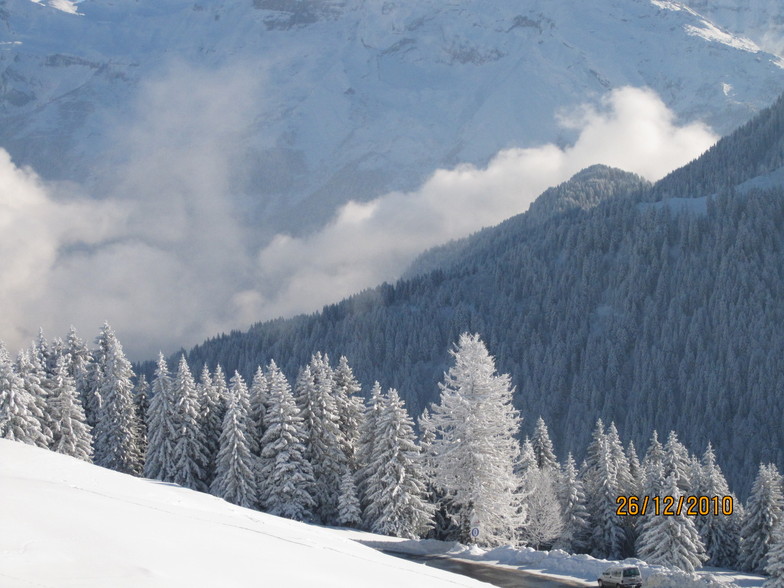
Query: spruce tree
[72, 435]
[258, 404]
[82, 370]
[319, 412]
[677, 462]
[475, 448]
[636, 472]
[212, 408]
[396, 488]
[544, 521]
[349, 408]
[141, 400]
[720, 533]
[349, 510]
[764, 511]
[444, 528]
[162, 426]
[670, 540]
[190, 454]
[367, 438]
[775, 567]
[600, 477]
[287, 484]
[116, 435]
[543, 447]
[620, 463]
[571, 493]
[30, 376]
[42, 357]
[20, 417]
[655, 452]
[235, 478]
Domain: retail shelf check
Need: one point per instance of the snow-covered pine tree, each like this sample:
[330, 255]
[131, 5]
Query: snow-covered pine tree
[20, 418]
[350, 410]
[475, 448]
[235, 479]
[141, 400]
[30, 375]
[620, 462]
[72, 435]
[764, 511]
[116, 436]
[544, 521]
[543, 446]
[313, 393]
[653, 468]
[367, 439]
[82, 370]
[212, 408]
[677, 461]
[625, 485]
[162, 426]
[599, 476]
[575, 535]
[720, 533]
[42, 357]
[444, 528]
[349, 510]
[396, 488]
[655, 451]
[635, 469]
[258, 405]
[670, 540]
[288, 485]
[527, 459]
[190, 454]
[91, 392]
[775, 567]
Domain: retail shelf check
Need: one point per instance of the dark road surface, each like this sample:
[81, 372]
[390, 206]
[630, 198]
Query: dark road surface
[498, 576]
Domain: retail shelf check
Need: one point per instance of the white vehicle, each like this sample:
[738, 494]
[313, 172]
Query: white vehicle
[621, 577]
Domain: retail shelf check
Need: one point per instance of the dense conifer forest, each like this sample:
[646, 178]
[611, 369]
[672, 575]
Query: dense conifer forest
[656, 307]
[316, 452]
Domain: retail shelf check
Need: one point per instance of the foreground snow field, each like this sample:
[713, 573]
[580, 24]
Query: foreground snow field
[66, 523]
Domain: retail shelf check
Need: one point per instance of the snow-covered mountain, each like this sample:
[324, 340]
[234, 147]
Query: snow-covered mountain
[70, 523]
[340, 99]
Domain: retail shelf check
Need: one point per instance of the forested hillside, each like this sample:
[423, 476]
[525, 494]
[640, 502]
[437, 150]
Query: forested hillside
[653, 313]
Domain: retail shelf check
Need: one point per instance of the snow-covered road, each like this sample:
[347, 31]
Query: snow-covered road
[495, 575]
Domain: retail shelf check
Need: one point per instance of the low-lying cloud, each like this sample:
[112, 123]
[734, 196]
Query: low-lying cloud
[368, 243]
[165, 258]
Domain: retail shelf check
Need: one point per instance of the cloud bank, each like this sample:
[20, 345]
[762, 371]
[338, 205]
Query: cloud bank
[368, 243]
[166, 258]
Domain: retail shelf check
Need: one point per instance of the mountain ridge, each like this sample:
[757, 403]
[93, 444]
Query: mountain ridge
[652, 313]
[357, 98]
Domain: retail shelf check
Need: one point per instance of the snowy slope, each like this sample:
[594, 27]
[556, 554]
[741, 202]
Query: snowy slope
[760, 20]
[66, 523]
[349, 98]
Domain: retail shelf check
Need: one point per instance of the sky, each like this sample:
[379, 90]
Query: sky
[166, 257]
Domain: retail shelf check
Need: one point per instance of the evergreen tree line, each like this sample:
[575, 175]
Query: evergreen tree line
[646, 314]
[316, 452]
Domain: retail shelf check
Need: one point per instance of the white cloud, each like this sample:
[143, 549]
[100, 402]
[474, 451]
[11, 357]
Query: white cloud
[372, 242]
[165, 258]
